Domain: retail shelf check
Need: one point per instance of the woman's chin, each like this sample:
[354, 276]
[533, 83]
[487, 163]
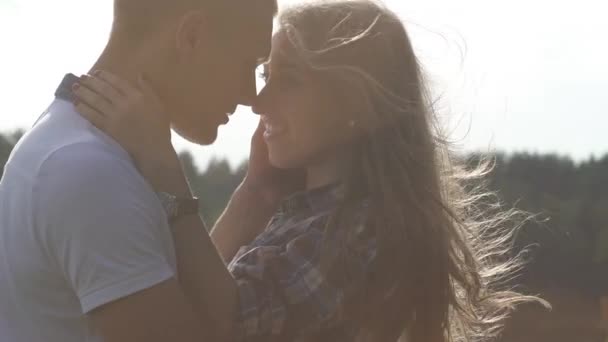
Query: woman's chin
[283, 161]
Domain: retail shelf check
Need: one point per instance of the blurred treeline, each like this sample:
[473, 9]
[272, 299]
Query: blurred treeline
[569, 238]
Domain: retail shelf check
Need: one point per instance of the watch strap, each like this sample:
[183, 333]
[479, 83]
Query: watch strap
[187, 206]
[176, 207]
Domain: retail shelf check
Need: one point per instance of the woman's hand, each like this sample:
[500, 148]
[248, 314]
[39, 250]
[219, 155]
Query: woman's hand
[135, 118]
[272, 183]
[255, 200]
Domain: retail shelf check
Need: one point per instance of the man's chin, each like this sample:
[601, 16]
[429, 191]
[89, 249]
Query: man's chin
[204, 137]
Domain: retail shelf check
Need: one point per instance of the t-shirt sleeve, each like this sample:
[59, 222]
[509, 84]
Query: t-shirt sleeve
[102, 225]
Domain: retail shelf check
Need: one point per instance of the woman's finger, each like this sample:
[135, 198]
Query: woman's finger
[258, 135]
[93, 99]
[116, 82]
[92, 115]
[103, 88]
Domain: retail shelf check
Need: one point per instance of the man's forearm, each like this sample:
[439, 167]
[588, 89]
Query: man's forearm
[204, 277]
[246, 216]
[201, 257]
[202, 274]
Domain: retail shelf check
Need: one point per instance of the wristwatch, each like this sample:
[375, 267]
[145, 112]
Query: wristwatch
[176, 207]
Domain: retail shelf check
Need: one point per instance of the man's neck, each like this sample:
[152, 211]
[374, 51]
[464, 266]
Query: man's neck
[120, 62]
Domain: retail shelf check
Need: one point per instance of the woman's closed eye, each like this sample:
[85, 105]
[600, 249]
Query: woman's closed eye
[285, 79]
[284, 76]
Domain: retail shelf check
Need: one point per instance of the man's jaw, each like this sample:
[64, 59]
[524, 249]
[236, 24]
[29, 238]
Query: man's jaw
[225, 118]
[228, 114]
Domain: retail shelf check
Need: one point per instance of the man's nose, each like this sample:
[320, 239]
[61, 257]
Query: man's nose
[248, 89]
[260, 102]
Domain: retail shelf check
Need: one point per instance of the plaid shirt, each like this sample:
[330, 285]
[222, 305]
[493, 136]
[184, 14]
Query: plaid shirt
[283, 294]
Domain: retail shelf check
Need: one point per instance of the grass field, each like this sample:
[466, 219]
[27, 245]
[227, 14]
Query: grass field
[574, 318]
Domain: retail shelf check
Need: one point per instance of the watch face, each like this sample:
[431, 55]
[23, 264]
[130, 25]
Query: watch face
[168, 202]
[176, 207]
[188, 206]
[164, 198]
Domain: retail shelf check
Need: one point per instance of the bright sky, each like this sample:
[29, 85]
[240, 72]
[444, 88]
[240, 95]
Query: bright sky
[514, 75]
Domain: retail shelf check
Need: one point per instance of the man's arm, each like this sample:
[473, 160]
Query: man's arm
[158, 314]
[103, 226]
[202, 257]
[204, 277]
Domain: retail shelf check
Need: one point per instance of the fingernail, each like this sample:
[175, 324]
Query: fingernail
[96, 72]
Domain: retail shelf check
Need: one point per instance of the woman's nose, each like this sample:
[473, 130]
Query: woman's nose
[248, 90]
[255, 107]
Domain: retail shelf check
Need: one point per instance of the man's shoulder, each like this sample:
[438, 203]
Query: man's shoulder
[78, 160]
[64, 160]
[84, 159]
[90, 167]
[62, 137]
[86, 181]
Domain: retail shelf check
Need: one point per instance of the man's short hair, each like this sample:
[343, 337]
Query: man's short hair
[137, 18]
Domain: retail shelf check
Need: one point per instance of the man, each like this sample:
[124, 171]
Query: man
[86, 253]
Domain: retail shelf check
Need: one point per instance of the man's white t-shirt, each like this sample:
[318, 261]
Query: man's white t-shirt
[79, 228]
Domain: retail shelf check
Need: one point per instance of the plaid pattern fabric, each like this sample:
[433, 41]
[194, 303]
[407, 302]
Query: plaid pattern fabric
[283, 294]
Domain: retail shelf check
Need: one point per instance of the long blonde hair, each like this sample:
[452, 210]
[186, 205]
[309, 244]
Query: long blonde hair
[442, 239]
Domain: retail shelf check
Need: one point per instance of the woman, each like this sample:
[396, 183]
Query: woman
[387, 240]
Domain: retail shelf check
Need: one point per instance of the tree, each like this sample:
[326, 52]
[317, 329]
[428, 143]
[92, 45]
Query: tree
[7, 142]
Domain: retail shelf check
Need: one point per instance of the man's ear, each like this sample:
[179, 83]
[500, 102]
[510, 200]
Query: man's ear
[192, 32]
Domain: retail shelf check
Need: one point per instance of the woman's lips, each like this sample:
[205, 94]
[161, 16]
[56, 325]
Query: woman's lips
[273, 128]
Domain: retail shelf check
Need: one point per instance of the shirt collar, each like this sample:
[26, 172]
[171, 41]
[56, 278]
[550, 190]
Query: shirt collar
[314, 200]
[62, 93]
[64, 103]
[64, 90]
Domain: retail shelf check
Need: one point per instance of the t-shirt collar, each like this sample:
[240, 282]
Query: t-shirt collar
[64, 90]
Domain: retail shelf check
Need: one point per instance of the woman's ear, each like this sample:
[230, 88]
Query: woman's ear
[192, 32]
